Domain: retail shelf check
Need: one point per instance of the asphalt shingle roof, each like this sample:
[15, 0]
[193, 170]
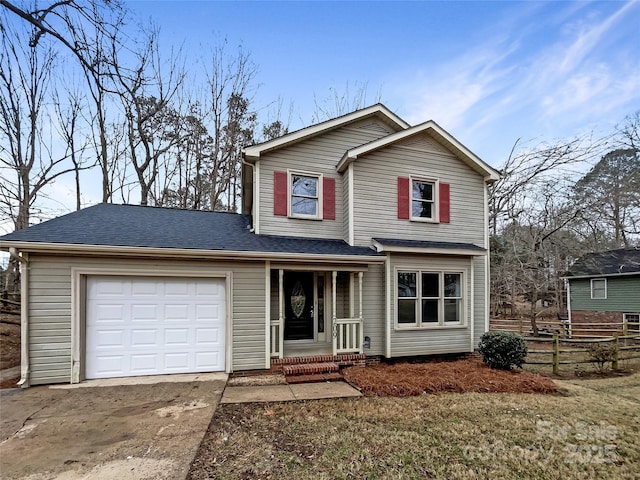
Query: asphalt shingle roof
[108, 224]
[621, 261]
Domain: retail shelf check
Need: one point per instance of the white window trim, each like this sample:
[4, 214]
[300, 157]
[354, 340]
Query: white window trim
[625, 319]
[441, 323]
[605, 288]
[302, 173]
[436, 199]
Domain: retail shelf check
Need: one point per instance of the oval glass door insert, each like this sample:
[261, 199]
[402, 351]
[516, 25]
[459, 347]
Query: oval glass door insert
[298, 299]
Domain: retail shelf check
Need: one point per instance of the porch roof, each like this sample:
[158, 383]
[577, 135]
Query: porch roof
[427, 246]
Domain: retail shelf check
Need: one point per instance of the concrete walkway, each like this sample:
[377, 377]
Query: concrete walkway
[287, 393]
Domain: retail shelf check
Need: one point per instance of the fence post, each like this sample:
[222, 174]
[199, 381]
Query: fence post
[614, 363]
[556, 354]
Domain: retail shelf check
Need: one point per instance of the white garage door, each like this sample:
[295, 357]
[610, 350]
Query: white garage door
[150, 326]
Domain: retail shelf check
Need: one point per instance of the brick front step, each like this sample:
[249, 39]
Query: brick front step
[310, 368]
[343, 359]
[315, 378]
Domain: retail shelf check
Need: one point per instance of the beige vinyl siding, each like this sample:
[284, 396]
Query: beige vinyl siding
[373, 307]
[318, 155]
[480, 311]
[431, 341]
[375, 194]
[345, 206]
[50, 309]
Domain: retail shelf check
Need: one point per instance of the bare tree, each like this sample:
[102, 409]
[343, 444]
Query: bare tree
[339, 102]
[229, 78]
[610, 191]
[145, 93]
[68, 119]
[529, 167]
[28, 163]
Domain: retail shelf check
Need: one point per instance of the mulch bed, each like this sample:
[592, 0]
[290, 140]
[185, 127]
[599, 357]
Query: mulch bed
[404, 379]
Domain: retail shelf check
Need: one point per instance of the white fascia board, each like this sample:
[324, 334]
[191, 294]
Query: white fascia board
[490, 174]
[253, 152]
[114, 250]
[600, 275]
[429, 250]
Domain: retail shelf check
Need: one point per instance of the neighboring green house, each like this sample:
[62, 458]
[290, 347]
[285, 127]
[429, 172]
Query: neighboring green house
[604, 288]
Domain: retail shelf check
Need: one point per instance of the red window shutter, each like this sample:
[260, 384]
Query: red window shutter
[404, 203]
[329, 198]
[280, 193]
[445, 203]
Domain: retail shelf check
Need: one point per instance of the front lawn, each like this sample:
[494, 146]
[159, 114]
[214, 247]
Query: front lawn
[579, 433]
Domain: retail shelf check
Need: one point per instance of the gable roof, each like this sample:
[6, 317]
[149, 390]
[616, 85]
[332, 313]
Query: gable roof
[438, 133]
[623, 261]
[378, 110]
[131, 228]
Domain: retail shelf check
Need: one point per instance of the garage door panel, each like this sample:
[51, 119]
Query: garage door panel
[144, 338]
[207, 336]
[207, 360]
[176, 336]
[111, 338]
[144, 312]
[147, 326]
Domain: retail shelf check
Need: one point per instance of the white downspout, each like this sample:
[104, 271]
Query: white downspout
[24, 315]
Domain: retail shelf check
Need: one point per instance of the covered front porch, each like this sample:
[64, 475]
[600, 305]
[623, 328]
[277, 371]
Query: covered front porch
[315, 311]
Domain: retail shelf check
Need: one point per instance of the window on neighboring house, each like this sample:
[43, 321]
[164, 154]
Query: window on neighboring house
[423, 200]
[632, 322]
[599, 288]
[305, 195]
[429, 299]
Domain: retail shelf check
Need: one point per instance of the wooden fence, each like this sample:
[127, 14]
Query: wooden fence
[547, 327]
[624, 347]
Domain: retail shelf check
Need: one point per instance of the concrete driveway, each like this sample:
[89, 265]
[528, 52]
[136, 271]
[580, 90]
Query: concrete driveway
[100, 430]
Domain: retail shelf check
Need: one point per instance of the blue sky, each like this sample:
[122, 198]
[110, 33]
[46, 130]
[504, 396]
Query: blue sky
[488, 72]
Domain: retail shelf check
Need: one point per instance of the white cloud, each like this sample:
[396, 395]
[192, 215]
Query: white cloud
[566, 72]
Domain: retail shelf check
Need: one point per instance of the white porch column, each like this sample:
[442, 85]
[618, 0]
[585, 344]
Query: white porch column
[281, 313]
[360, 274]
[361, 340]
[334, 316]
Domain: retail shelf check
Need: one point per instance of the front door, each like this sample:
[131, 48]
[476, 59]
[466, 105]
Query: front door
[298, 300]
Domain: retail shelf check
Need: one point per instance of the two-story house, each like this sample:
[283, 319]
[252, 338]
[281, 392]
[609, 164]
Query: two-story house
[361, 234]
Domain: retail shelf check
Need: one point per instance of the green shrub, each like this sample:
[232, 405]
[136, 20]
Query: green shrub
[502, 350]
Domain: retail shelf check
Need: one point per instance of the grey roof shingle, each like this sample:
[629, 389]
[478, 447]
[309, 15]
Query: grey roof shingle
[108, 224]
[612, 262]
[395, 242]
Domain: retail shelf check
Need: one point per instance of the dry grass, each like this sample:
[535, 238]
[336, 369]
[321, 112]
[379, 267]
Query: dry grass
[404, 379]
[581, 434]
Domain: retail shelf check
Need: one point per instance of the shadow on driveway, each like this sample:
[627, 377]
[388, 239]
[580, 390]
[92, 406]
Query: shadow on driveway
[132, 432]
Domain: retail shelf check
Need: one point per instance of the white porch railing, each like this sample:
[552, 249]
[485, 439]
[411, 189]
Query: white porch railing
[276, 344]
[348, 335]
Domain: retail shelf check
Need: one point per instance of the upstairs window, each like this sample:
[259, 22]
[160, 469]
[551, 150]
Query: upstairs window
[305, 195]
[599, 288]
[423, 200]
